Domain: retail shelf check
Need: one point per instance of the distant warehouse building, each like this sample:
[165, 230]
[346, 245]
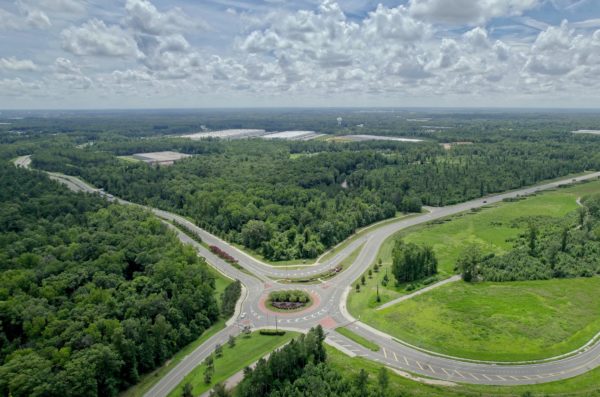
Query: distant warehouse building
[161, 158]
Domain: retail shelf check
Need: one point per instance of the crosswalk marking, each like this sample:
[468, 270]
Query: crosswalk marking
[459, 374]
[487, 377]
[406, 361]
[420, 366]
[500, 377]
[446, 372]
[395, 357]
[431, 368]
[384, 353]
[474, 377]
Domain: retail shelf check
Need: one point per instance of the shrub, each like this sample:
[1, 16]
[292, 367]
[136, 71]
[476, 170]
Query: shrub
[271, 332]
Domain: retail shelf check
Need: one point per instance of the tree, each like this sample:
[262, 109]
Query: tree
[231, 341]
[229, 298]
[219, 391]
[208, 374]
[467, 262]
[254, 233]
[363, 281]
[357, 287]
[385, 280]
[361, 383]
[187, 390]
[383, 381]
[218, 350]
[532, 236]
[412, 262]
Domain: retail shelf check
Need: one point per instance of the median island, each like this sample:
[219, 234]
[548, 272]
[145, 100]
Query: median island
[289, 300]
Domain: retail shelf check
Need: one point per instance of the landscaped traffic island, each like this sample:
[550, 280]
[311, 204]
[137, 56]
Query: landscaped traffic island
[290, 300]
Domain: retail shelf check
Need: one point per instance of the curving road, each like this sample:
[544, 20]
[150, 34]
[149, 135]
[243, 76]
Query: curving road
[329, 308]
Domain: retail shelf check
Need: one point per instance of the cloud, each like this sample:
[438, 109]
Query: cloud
[17, 87]
[15, 64]
[37, 19]
[26, 17]
[471, 12]
[559, 50]
[395, 24]
[96, 38]
[387, 54]
[144, 17]
[68, 72]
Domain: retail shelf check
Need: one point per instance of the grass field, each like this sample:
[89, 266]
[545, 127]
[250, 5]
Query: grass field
[467, 330]
[491, 227]
[586, 385]
[498, 321]
[245, 352]
[358, 339]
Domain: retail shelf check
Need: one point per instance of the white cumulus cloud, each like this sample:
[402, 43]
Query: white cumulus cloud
[458, 12]
[15, 64]
[96, 38]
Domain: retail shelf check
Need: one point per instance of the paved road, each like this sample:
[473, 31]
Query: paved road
[330, 311]
[420, 292]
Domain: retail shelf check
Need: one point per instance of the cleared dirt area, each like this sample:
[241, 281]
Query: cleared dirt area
[162, 158]
[358, 138]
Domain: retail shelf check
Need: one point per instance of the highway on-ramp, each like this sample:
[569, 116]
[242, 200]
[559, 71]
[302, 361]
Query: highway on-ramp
[329, 308]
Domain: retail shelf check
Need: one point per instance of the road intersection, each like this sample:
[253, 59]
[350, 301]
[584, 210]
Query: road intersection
[330, 311]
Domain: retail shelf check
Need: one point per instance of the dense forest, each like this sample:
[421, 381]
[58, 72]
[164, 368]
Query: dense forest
[289, 200]
[92, 294]
[549, 248]
[287, 206]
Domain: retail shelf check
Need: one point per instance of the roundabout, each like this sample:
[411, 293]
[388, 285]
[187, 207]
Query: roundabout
[268, 307]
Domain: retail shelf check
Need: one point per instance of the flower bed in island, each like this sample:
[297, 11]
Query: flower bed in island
[289, 300]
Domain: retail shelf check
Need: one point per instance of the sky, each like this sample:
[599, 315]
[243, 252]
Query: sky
[117, 54]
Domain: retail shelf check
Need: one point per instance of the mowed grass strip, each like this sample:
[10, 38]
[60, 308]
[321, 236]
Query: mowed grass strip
[586, 385]
[244, 353]
[358, 339]
[514, 321]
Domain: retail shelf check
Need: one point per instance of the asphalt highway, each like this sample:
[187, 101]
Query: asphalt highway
[329, 308]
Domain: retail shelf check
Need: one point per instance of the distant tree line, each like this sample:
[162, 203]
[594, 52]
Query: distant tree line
[255, 193]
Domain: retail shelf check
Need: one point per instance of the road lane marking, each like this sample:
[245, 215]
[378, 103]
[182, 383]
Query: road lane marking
[384, 353]
[446, 372]
[514, 377]
[500, 377]
[474, 377]
[395, 357]
[406, 361]
[420, 366]
[431, 368]
[487, 377]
